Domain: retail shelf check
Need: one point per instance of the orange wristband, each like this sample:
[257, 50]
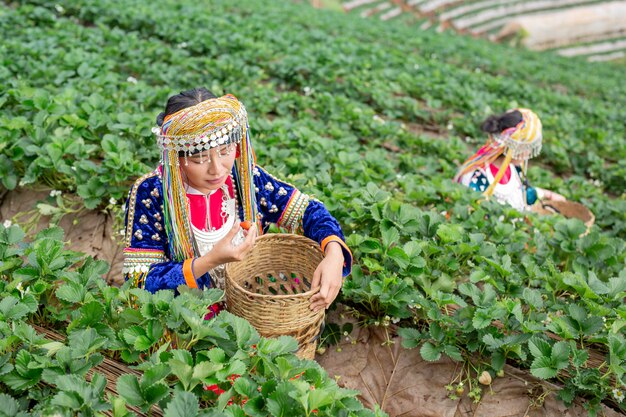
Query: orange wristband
[190, 279]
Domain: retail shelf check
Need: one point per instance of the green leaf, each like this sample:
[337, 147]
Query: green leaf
[156, 373]
[566, 395]
[577, 312]
[320, 398]
[498, 360]
[279, 346]
[411, 337]
[436, 332]
[390, 236]
[245, 386]
[202, 370]
[9, 406]
[453, 353]
[86, 341]
[412, 248]
[71, 292]
[450, 233]
[560, 354]
[579, 357]
[184, 404]
[14, 235]
[543, 368]
[430, 352]
[617, 288]
[52, 347]
[492, 342]
[370, 246]
[155, 393]
[279, 403]
[68, 399]
[181, 365]
[399, 257]
[119, 407]
[533, 298]
[129, 389]
[143, 343]
[12, 309]
[539, 348]
[245, 334]
[479, 275]
[71, 383]
[482, 318]
[132, 333]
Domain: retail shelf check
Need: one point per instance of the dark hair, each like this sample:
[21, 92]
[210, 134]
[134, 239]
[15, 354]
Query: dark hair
[183, 100]
[498, 123]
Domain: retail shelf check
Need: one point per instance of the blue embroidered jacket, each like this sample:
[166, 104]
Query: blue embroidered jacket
[146, 256]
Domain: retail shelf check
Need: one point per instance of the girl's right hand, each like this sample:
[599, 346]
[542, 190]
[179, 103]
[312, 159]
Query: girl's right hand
[224, 251]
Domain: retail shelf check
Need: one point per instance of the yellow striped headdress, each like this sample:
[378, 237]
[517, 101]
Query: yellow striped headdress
[209, 124]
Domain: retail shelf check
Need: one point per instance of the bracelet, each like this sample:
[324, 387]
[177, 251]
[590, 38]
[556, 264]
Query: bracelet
[188, 274]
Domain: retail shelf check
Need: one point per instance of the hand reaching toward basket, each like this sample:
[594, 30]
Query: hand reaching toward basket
[328, 277]
[549, 195]
[225, 251]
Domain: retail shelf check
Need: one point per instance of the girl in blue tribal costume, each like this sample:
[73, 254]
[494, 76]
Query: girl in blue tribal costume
[183, 219]
[499, 168]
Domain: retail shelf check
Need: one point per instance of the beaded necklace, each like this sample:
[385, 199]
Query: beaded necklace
[206, 240]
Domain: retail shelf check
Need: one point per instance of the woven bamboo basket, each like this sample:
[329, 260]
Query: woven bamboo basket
[569, 209]
[271, 288]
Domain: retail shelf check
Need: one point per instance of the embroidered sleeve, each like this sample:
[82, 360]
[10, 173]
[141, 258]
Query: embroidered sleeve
[279, 202]
[283, 204]
[318, 224]
[146, 257]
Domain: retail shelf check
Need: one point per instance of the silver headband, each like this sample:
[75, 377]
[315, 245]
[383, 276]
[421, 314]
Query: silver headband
[521, 150]
[209, 138]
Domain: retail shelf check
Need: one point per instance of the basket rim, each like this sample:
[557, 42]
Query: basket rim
[269, 236]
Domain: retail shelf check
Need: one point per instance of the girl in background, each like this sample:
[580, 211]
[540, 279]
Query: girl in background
[499, 167]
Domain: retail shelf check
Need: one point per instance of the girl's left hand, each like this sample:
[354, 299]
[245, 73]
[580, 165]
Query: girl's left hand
[328, 276]
[556, 196]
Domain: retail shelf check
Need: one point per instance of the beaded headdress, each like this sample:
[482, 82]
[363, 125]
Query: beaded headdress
[524, 141]
[521, 142]
[209, 124]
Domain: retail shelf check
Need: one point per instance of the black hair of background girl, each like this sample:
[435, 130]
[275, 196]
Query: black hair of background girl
[183, 100]
[500, 122]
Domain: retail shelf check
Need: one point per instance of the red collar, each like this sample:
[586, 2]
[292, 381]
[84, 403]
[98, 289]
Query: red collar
[507, 174]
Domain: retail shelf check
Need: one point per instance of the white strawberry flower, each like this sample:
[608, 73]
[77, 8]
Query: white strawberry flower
[618, 394]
